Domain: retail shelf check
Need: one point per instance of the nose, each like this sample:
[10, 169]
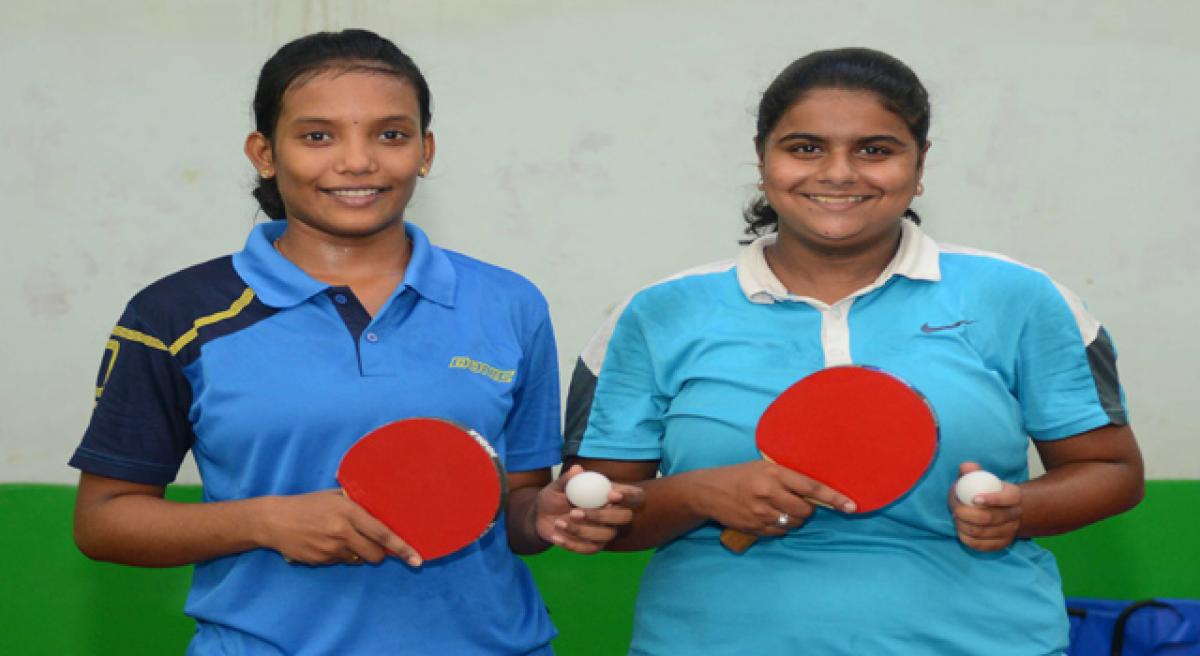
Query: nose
[838, 169]
[356, 157]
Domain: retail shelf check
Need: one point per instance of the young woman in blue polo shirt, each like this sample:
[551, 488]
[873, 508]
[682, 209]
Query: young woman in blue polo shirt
[337, 317]
[841, 273]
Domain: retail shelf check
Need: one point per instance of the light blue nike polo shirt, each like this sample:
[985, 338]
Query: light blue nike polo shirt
[269, 376]
[1001, 352]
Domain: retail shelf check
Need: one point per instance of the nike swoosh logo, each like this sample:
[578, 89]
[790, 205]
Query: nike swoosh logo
[926, 328]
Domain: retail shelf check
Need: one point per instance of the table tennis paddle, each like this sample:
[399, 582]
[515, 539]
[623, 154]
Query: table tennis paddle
[858, 430]
[435, 484]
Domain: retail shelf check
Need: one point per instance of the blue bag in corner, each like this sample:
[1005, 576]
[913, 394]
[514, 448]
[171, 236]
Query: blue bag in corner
[1152, 627]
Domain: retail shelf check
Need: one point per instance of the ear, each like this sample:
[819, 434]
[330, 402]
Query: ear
[429, 147]
[258, 151]
[921, 157]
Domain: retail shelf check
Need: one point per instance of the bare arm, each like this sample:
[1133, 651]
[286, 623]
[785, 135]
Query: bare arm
[1088, 477]
[132, 524]
[749, 497]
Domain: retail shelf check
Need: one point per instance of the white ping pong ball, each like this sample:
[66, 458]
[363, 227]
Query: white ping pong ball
[976, 482]
[588, 490]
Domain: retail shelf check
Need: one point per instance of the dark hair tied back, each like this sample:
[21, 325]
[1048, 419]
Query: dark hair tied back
[348, 50]
[851, 69]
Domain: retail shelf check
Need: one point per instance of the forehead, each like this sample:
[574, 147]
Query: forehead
[841, 113]
[349, 94]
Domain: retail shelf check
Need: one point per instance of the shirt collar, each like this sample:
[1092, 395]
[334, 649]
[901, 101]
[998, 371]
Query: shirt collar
[279, 283]
[916, 258]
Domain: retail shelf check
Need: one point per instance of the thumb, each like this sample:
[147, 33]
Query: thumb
[560, 483]
[968, 467]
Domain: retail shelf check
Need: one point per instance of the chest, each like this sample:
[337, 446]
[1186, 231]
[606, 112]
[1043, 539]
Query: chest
[292, 393]
[723, 379]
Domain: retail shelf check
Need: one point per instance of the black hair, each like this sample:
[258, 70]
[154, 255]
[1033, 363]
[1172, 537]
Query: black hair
[300, 60]
[851, 69]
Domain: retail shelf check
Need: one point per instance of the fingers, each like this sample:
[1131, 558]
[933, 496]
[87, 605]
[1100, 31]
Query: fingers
[815, 492]
[993, 523]
[328, 528]
[968, 467]
[766, 499]
[375, 540]
[627, 496]
[589, 530]
[560, 484]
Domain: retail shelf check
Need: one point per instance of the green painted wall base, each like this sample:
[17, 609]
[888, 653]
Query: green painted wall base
[54, 601]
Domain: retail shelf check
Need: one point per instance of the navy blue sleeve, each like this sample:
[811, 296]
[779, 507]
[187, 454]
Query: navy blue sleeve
[139, 430]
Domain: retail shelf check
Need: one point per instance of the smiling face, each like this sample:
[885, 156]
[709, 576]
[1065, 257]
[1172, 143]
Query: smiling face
[348, 149]
[840, 169]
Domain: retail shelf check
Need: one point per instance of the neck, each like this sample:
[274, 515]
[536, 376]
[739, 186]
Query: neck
[345, 260]
[829, 274]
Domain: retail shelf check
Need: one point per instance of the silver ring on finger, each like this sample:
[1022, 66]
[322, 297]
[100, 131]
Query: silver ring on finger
[783, 520]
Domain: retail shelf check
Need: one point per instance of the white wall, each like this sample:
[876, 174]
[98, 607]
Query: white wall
[594, 146]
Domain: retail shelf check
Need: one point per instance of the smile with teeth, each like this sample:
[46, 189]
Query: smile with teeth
[354, 193]
[835, 200]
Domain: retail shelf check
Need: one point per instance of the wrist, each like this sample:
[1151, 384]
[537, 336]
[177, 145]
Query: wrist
[695, 494]
[257, 516]
[534, 525]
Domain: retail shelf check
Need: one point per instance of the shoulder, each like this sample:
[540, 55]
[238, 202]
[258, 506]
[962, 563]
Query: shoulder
[493, 278]
[975, 267]
[663, 300]
[1003, 278]
[189, 293]
[964, 259]
[695, 285]
[499, 294]
[181, 312]
[496, 282]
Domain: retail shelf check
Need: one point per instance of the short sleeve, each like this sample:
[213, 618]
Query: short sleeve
[531, 430]
[626, 417]
[139, 429]
[1067, 380]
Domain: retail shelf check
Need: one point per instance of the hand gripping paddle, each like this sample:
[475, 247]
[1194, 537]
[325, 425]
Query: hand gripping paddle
[858, 430]
[435, 484]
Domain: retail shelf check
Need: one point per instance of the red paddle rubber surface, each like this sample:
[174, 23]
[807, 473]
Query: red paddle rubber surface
[435, 484]
[859, 430]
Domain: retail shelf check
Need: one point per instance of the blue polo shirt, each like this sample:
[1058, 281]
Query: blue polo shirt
[1001, 352]
[269, 376]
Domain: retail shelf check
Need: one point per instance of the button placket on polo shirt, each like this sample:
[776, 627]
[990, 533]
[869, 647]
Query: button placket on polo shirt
[835, 333]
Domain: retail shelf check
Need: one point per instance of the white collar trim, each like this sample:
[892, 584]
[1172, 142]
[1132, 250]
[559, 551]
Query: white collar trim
[916, 258]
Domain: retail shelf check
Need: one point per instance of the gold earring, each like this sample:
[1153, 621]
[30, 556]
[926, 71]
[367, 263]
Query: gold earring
[424, 171]
[920, 188]
[266, 174]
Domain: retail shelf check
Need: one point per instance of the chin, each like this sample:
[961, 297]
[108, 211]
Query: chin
[355, 228]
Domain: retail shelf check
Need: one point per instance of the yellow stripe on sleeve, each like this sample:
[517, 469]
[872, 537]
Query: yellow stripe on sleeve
[114, 346]
[141, 338]
[237, 306]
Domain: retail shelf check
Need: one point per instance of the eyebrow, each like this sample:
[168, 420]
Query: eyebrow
[882, 137]
[394, 118]
[816, 138]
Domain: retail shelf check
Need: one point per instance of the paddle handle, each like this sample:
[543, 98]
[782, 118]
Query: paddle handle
[738, 542]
